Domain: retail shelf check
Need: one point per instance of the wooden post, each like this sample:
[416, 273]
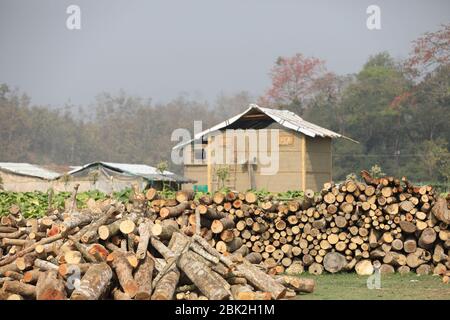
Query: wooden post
[303, 160]
[331, 161]
[209, 164]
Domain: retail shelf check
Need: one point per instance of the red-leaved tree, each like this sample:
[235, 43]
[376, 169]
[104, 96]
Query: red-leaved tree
[293, 82]
[430, 51]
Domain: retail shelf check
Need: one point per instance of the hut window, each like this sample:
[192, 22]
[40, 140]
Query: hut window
[200, 154]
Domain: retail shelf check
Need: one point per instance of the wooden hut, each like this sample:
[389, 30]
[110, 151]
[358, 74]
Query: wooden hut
[303, 148]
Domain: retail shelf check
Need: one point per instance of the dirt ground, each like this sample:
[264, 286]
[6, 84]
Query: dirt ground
[393, 287]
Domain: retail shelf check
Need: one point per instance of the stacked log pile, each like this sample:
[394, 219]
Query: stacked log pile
[382, 223]
[117, 251]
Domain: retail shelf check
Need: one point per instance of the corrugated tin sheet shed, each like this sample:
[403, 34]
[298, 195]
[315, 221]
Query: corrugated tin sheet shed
[30, 170]
[141, 170]
[285, 118]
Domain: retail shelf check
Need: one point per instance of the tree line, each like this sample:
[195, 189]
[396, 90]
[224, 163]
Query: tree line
[398, 111]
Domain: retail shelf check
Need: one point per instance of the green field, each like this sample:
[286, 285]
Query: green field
[353, 287]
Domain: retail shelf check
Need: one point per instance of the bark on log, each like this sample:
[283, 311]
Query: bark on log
[407, 227]
[50, 287]
[107, 231]
[91, 233]
[144, 237]
[120, 295]
[165, 288]
[94, 283]
[124, 272]
[20, 288]
[165, 229]
[8, 267]
[143, 277]
[202, 277]
[76, 220]
[65, 270]
[45, 265]
[297, 284]
[218, 226]
[440, 210]
[225, 260]
[175, 211]
[261, 280]
[242, 292]
[212, 213]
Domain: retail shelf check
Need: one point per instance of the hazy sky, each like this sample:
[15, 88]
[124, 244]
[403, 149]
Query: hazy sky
[160, 49]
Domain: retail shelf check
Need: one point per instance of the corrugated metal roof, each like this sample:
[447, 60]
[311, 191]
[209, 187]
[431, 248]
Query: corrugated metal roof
[27, 169]
[138, 169]
[61, 169]
[292, 121]
[285, 118]
[145, 171]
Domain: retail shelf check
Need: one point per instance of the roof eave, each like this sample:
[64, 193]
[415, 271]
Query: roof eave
[287, 124]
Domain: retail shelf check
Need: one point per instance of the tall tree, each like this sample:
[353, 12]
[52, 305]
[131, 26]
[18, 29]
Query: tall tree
[430, 51]
[14, 125]
[325, 107]
[369, 117]
[293, 82]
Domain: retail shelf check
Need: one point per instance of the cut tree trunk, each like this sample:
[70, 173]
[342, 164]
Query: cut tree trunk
[165, 288]
[407, 227]
[334, 262]
[50, 287]
[94, 283]
[120, 295]
[440, 210]
[410, 245]
[315, 269]
[124, 272]
[427, 238]
[165, 229]
[143, 277]
[175, 211]
[242, 292]
[218, 226]
[261, 280]
[202, 277]
[297, 284]
[20, 288]
[364, 268]
[144, 237]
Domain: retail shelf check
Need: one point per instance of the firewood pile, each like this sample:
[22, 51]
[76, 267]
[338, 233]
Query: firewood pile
[115, 251]
[386, 224]
[223, 246]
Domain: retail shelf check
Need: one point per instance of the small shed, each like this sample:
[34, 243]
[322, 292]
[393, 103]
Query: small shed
[24, 177]
[112, 177]
[303, 149]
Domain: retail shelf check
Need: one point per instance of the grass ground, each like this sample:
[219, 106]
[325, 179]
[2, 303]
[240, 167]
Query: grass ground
[393, 287]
